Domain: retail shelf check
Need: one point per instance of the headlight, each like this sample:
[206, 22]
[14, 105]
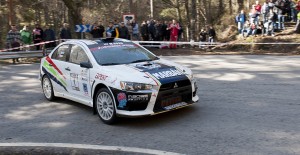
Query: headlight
[131, 86]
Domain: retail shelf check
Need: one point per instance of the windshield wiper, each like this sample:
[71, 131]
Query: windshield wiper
[142, 60]
[109, 64]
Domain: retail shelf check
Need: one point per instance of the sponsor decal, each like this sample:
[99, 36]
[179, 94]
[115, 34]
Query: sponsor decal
[114, 81]
[122, 100]
[54, 79]
[148, 66]
[153, 78]
[74, 81]
[154, 94]
[175, 105]
[137, 97]
[85, 89]
[54, 66]
[84, 75]
[101, 77]
[111, 45]
[167, 73]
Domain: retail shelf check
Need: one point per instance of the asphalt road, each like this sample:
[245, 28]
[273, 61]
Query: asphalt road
[248, 105]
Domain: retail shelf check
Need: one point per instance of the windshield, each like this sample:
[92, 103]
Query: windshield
[120, 53]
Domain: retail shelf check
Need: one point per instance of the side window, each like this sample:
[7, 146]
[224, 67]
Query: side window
[61, 53]
[78, 55]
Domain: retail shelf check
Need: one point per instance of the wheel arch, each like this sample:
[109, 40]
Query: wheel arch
[99, 86]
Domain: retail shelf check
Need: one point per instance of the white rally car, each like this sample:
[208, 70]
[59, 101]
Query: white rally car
[117, 78]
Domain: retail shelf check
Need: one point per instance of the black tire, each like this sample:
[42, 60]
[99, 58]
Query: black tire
[47, 88]
[105, 106]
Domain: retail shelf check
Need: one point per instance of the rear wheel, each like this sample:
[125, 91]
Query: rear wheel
[105, 106]
[48, 88]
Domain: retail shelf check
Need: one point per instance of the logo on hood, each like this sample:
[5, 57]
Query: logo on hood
[167, 74]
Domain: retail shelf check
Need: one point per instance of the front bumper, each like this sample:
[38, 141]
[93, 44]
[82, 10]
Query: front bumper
[159, 100]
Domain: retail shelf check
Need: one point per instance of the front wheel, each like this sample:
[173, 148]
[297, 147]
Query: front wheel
[48, 88]
[105, 106]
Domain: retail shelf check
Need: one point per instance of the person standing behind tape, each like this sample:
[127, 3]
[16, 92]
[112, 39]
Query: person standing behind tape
[65, 32]
[26, 36]
[112, 31]
[211, 34]
[174, 30]
[37, 34]
[13, 40]
[49, 35]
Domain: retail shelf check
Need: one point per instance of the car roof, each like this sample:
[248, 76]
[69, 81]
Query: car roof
[97, 41]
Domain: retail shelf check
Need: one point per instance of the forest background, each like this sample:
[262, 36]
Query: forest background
[192, 14]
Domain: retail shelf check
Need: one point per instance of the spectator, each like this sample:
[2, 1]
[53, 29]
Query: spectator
[254, 15]
[253, 29]
[123, 31]
[13, 40]
[246, 29]
[26, 35]
[97, 31]
[151, 29]
[297, 30]
[258, 10]
[111, 31]
[174, 30]
[240, 19]
[158, 31]
[180, 32]
[280, 16]
[49, 35]
[293, 11]
[211, 34]
[260, 28]
[298, 6]
[166, 33]
[130, 30]
[135, 31]
[144, 31]
[65, 32]
[270, 24]
[202, 36]
[265, 11]
[271, 5]
[37, 35]
[116, 24]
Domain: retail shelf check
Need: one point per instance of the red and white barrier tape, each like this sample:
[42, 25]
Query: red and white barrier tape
[24, 46]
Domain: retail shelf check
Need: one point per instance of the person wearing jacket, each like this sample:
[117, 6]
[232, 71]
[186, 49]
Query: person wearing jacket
[123, 31]
[26, 35]
[112, 31]
[49, 35]
[174, 30]
[241, 19]
[37, 34]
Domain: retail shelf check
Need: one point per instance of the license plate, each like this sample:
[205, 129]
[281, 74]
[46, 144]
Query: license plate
[171, 101]
[175, 105]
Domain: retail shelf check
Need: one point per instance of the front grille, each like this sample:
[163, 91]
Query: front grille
[167, 94]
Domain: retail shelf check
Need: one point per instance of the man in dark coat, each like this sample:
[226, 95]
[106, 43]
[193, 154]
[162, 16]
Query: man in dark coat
[65, 32]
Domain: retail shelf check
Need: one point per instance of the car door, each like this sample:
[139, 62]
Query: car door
[78, 77]
[55, 65]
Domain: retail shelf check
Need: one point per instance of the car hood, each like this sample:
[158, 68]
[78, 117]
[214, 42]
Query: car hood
[155, 72]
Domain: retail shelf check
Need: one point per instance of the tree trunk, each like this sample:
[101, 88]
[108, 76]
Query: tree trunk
[240, 5]
[230, 6]
[187, 15]
[193, 19]
[74, 11]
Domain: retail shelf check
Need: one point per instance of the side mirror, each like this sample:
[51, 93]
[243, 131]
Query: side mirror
[86, 65]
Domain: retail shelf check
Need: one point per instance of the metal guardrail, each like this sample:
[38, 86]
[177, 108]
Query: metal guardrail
[23, 54]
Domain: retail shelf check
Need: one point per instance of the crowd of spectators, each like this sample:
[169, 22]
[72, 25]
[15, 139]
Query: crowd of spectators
[268, 17]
